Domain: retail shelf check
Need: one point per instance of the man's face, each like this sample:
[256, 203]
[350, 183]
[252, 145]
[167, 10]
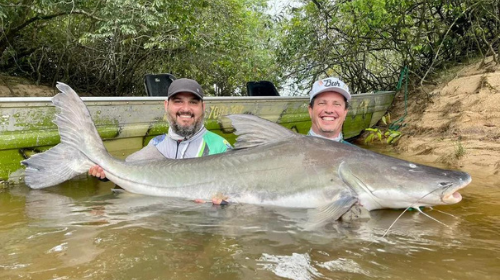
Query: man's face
[185, 112]
[328, 114]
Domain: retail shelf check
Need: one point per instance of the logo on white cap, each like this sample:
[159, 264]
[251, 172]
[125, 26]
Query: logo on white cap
[330, 84]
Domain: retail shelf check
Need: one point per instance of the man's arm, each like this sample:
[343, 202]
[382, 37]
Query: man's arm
[146, 153]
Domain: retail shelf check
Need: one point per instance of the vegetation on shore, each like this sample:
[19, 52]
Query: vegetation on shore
[106, 47]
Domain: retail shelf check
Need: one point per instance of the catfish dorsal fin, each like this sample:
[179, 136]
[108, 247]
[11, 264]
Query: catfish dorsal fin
[254, 131]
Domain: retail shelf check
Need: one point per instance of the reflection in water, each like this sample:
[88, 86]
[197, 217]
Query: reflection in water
[82, 230]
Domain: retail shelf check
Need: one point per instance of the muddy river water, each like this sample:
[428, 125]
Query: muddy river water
[82, 230]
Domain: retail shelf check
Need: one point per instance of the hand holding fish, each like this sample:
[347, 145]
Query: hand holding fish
[97, 171]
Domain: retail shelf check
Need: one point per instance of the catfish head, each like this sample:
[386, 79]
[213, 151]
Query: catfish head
[385, 182]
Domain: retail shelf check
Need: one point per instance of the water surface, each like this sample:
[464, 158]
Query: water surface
[82, 230]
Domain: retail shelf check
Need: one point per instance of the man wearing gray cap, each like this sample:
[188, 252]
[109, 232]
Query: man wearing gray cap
[329, 103]
[187, 136]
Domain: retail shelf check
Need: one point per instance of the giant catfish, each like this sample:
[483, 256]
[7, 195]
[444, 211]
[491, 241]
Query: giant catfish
[271, 165]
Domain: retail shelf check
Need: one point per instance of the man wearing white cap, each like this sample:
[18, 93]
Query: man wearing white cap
[329, 103]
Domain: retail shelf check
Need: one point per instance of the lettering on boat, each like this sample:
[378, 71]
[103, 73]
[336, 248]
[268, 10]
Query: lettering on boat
[218, 111]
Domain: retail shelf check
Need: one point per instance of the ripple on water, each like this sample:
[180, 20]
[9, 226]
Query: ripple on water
[296, 266]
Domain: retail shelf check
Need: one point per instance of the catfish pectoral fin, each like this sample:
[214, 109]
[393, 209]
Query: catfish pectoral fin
[332, 211]
[356, 212]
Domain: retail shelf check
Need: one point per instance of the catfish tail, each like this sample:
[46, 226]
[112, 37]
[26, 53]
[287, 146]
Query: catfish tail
[78, 150]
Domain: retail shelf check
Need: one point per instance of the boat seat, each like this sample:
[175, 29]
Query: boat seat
[261, 88]
[157, 84]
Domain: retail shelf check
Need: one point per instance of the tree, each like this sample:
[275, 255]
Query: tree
[368, 42]
[106, 47]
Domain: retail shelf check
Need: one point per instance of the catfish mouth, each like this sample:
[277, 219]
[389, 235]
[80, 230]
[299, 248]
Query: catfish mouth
[452, 198]
[451, 194]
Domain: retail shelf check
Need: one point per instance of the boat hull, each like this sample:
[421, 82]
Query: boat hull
[126, 124]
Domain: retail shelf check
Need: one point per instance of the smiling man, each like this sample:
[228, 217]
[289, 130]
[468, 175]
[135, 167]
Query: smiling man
[187, 136]
[329, 103]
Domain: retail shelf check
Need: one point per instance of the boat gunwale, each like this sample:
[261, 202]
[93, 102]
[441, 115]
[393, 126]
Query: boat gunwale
[6, 100]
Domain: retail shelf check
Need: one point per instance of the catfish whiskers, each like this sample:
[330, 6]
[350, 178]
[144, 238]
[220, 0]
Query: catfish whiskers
[393, 223]
[419, 210]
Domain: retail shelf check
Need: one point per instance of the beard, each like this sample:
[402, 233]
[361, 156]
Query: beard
[186, 131]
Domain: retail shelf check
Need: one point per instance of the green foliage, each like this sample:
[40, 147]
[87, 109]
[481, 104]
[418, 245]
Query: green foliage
[459, 150]
[368, 42]
[384, 136]
[388, 136]
[108, 46]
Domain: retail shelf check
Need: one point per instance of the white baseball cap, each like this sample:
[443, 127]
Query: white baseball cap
[330, 84]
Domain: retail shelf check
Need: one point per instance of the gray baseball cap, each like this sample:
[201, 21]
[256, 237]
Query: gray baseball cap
[185, 85]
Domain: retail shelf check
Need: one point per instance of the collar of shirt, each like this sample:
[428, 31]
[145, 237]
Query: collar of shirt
[337, 139]
[177, 137]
